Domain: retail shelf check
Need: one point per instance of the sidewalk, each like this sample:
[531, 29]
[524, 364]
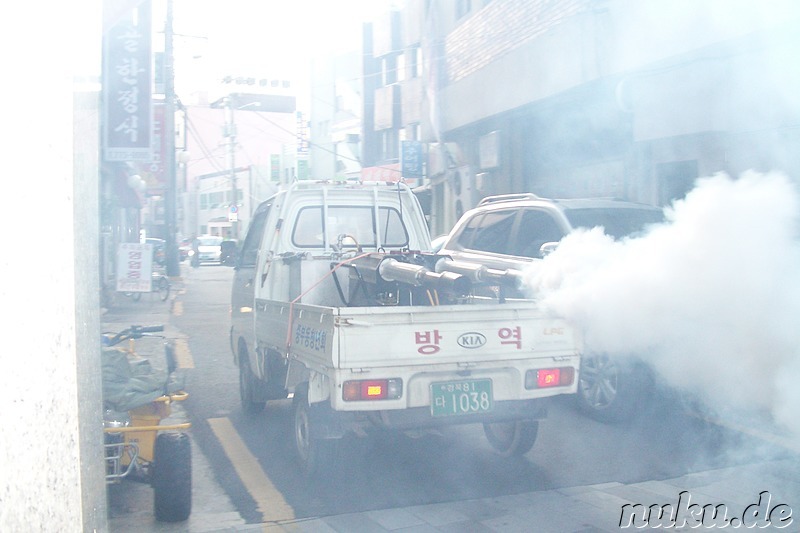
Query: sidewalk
[754, 492]
[589, 509]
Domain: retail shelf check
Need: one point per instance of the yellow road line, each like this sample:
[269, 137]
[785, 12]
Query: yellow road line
[183, 357]
[177, 308]
[269, 501]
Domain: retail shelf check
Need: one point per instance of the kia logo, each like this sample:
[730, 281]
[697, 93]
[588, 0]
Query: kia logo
[472, 339]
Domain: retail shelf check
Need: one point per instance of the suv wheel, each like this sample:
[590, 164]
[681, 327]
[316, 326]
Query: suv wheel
[609, 388]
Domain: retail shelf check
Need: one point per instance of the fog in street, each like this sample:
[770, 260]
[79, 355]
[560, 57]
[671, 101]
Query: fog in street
[710, 298]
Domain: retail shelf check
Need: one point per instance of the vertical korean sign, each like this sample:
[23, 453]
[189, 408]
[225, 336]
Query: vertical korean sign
[411, 159]
[134, 267]
[302, 147]
[127, 86]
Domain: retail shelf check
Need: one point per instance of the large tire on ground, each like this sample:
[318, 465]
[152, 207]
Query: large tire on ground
[314, 455]
[253, 400]
[512, 438]
[610, 389]
[172, 477]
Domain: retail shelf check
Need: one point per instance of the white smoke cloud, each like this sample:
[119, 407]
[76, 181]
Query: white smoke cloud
[711, 298]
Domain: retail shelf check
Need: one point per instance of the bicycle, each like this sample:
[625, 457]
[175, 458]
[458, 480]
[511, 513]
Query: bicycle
[159, 283]
[136, 399]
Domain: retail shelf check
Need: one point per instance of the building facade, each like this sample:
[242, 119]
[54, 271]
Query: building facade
[336, 115]
[241, 153]
[568, 98]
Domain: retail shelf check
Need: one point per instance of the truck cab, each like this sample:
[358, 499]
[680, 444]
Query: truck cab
[295, 235]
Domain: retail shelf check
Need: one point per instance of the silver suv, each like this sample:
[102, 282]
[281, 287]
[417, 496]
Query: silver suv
[504, 230]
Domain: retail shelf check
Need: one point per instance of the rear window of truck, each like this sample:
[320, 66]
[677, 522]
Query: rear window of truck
[357, 222]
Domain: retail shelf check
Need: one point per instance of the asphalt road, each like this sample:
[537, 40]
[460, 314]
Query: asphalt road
[252, 456]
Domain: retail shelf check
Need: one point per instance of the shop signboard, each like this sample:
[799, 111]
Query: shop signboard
[127, 86]
[134, 267]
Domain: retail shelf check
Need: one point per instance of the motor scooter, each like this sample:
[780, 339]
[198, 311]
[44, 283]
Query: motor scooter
[136, 399]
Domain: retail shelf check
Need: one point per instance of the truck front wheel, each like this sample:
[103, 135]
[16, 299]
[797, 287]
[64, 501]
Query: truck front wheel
[314, 455]
[252, 401]
[512, 438]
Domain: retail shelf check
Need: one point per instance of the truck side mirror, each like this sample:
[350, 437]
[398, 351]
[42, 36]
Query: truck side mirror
[547, 249]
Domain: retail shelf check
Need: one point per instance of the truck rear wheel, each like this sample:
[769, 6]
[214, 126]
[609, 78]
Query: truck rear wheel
[512, 438]
[172, 477]
[314, 455]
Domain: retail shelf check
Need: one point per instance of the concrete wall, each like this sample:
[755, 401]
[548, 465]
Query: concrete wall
[50, 395]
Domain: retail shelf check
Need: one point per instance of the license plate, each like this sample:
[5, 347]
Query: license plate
[464, 397]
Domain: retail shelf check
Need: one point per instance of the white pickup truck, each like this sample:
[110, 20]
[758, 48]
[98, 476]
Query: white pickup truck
[336, 303]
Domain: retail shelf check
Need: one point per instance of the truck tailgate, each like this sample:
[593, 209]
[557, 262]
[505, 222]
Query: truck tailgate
[380, 337]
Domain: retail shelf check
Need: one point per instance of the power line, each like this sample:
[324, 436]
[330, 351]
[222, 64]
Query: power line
[203, 148]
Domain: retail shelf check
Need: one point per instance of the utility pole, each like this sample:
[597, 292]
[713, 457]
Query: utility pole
[230, 133]
[170, 197]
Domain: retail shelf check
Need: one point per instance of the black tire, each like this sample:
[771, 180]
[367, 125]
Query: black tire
[314, 455]
[136, 296]
[512, 438]
[252, 401]
[172, 477]
[163, 289]
[609, 388]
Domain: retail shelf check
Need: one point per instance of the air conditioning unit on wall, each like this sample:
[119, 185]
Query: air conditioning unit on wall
[462, 190]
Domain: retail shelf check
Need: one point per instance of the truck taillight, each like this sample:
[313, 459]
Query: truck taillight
[549, 377]
[372, 389]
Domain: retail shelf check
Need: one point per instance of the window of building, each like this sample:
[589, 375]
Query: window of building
[415, 61]
[203, 201]
[389, 144]
[389, 69]
[401, 67]
[411, 132]
[463, 8]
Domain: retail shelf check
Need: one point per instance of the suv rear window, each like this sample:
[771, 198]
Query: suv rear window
[488, 232]
[617, 223]
[535, 228]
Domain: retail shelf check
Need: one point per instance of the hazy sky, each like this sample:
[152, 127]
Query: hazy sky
[264, 38]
